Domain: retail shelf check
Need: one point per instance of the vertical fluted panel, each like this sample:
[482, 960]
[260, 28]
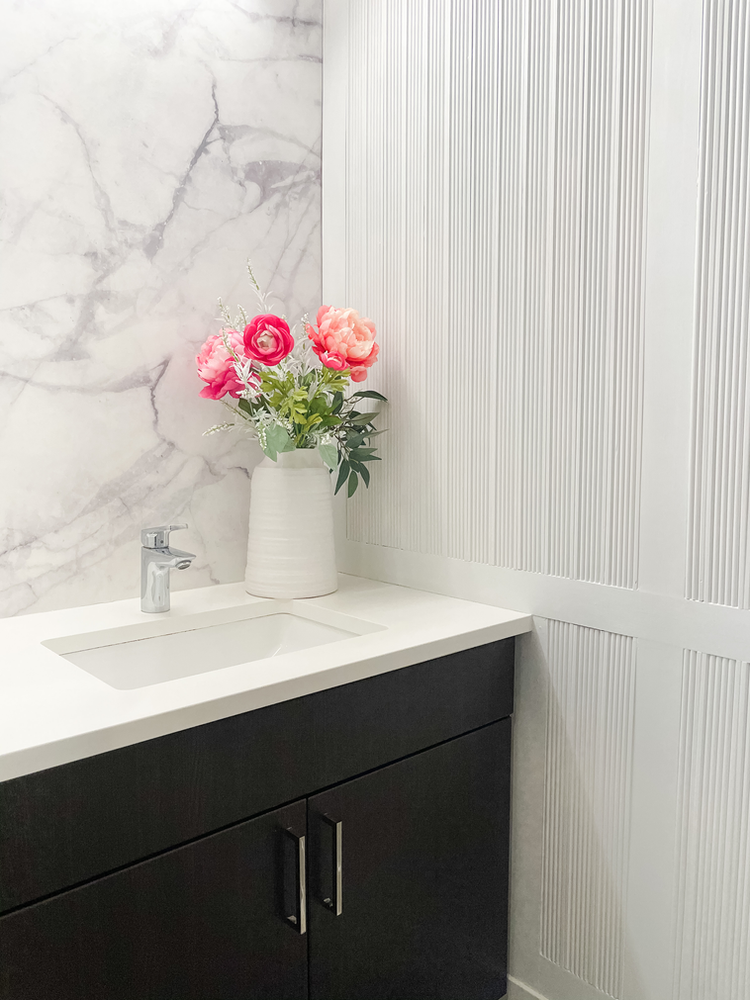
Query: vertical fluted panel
[719, 539]
[496, 160]
[589, 756]
[713, 836]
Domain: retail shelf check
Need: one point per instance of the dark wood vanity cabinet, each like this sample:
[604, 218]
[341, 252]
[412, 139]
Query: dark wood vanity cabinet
[194, 922]
[384, 878]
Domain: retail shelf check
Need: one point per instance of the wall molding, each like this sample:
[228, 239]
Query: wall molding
[658, 617]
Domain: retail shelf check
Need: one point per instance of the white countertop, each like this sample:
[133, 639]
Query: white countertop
[52, 712]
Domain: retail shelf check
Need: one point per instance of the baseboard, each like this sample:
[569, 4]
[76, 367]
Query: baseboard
[520, 991]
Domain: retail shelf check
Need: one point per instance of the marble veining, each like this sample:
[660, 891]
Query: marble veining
[148, 149]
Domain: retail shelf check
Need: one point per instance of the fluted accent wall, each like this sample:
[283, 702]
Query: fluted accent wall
[719, 540]
[589, 759]
[509, 191]
[713, 900]
[544, 205]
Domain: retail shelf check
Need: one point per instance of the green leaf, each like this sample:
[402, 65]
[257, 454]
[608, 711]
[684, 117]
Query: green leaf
[370, 394]
[338, 402]
[365, 473]
[363, 418]
[355, 440]
[353, 484]
[318, 405]
[343, 473]
[330, 454]
[244, 405]
[277, 439]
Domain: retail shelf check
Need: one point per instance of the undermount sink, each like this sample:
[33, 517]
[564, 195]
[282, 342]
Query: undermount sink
[137, 656]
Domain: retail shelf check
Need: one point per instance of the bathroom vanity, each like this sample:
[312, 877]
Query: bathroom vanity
[344, 836]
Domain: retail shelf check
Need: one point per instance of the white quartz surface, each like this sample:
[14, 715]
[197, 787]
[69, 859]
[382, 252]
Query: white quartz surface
[52, 712]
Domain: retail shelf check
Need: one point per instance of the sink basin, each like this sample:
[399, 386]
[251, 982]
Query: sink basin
[153, 652]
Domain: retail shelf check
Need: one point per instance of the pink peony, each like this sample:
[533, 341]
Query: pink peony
[216, 366]
[334, 361]
[359, 372]
[267, 339]
[344, 340]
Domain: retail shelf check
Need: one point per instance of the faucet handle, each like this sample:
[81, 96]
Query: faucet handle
[158, 538]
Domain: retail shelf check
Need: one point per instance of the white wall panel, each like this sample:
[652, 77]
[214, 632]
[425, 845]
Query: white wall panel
[713, 899]
[588, 784]
[498, 152]
[719, 542]
[544, 205]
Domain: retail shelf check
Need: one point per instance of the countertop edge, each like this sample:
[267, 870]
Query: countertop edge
[44, 756]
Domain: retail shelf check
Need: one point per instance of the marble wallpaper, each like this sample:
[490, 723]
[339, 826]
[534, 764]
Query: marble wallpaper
[147, 149]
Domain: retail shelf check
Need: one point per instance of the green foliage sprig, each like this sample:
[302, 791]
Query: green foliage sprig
[353, 434]
[291, 410]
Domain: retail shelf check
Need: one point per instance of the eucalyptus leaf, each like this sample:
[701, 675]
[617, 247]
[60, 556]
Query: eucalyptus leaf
[370, 394]
[363, 418]
[330, 454]
[277, 440]
[365, 473]
[343, 473]
[353, 484]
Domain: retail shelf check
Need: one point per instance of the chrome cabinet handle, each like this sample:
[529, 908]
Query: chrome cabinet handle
[336, 904]
[298, 920]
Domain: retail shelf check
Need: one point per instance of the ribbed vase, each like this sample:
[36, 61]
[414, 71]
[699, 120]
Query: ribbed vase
[290, 544]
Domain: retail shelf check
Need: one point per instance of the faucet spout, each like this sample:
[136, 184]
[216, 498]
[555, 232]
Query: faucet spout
[157, 558]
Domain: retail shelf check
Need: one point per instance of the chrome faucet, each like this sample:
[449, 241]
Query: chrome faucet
[157, 558]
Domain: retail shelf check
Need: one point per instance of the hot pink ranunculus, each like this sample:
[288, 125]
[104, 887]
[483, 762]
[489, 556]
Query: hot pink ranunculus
[216, 366]
[343, 336]
[267, 339]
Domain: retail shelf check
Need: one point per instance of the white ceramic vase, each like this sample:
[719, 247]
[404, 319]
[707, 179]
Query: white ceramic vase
[290, 545]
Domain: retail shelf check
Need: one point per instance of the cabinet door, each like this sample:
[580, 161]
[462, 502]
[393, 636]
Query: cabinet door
[424, 877]
[205, 921]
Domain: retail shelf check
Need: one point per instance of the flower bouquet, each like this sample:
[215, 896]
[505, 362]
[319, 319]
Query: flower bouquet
[291, 393]
[290, 384]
